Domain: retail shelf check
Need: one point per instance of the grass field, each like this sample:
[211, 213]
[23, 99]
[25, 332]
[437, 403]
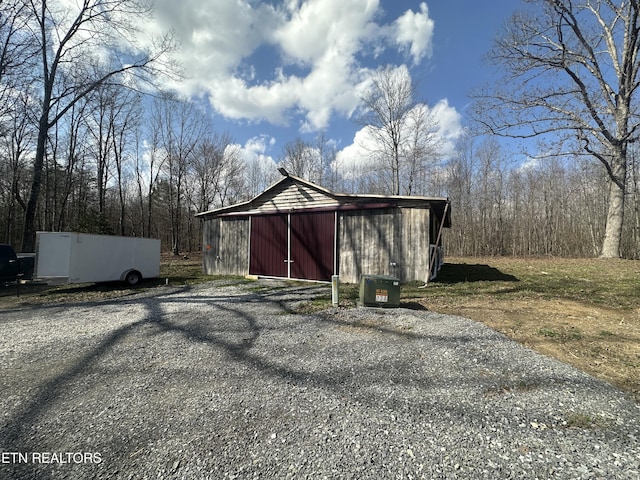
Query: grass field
[585, 312]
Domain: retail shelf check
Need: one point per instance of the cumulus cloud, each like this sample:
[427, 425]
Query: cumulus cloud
[256, 150]
[449, 127]
[260, 167]
[256, 61]
[414, 32]
[357, 156]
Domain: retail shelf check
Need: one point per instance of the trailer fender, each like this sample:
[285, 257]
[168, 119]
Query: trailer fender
[131, 277]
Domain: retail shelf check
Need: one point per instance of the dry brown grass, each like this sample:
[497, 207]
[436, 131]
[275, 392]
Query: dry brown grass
[584, 312]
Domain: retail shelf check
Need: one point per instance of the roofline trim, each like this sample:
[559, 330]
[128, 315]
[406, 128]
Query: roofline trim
[337, 196]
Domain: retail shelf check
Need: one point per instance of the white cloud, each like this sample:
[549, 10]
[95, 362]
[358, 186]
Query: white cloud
[318, 27]
[314, 50]
[449, 125]
[357, 156]
[414, 31]
[260, 168]
[255, 150]
[529, 164]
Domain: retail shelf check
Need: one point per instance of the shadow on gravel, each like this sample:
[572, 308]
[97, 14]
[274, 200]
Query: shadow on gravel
[236, 329]
[413, 306]
[54, 388]
[47, 395]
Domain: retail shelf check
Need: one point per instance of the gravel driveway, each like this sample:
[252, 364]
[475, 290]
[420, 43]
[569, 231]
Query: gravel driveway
[222, 381]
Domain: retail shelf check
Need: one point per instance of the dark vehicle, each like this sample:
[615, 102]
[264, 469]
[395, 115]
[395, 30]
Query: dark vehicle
[14, 267]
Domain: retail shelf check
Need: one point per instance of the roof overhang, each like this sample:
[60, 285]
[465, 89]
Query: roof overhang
[344, 202]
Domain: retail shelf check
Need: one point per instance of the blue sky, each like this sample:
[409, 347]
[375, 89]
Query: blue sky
[269, 72]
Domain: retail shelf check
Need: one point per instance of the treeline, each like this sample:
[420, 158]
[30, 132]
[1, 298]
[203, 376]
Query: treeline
[504, 205]
[554, 206]
[125, 164]
[82, 149]
[128, 165]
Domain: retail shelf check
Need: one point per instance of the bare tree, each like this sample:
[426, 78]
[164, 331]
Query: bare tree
[125, 120]
[81, 47]
[149, 160]
[259, 173]
[75, 150]
[15, 144]
[387, 105]
[403, 132]
[490, 195]
[326, 152]
[230, 184]
[216, 170]
[573, 73]
[17, 53]
[461, 170]
[300, 158]
[182, 128]
[102, 116]
[420, 150]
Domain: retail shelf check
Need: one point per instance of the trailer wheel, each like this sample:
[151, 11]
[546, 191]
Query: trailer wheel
[133, 278]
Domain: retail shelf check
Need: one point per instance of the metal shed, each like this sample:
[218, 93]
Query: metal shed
[298, 230]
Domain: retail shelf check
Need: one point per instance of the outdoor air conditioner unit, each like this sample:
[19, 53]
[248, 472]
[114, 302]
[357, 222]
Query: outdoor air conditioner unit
[379, 291]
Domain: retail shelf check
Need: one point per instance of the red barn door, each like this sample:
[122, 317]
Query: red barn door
[302, 241]
[269, 254]
[312, 245]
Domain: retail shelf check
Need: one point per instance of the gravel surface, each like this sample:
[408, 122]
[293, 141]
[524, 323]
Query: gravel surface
[223, 381]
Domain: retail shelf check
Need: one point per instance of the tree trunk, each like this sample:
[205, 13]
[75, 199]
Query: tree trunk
[615, 218]
[29, 232]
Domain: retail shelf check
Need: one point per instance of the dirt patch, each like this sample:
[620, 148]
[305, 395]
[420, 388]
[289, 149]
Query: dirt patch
[601, 341]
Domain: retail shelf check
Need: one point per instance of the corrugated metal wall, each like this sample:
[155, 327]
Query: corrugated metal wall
[366, 242]
[369, 241]
[312, 245]
[226, 246]
[269, 249]
[384, 242]
[295, 196]
[415, 237]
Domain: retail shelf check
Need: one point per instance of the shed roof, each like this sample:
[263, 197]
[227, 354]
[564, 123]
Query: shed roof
[292, 193]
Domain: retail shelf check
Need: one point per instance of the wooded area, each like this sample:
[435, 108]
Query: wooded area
[125, 182]
[83, 148]
[552, 207]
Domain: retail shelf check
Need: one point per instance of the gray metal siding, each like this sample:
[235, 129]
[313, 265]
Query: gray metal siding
[415, 239]
[366, 243]
[226, 246]
[369, 241]
[384, 242]
[295, 196]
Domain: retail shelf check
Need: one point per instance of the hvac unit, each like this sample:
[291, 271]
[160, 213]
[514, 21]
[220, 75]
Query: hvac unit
[379, 291]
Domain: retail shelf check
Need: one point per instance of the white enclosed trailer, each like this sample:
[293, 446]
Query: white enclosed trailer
[63, 257]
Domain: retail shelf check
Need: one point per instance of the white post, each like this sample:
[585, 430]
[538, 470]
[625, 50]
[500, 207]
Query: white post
[335, 281]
